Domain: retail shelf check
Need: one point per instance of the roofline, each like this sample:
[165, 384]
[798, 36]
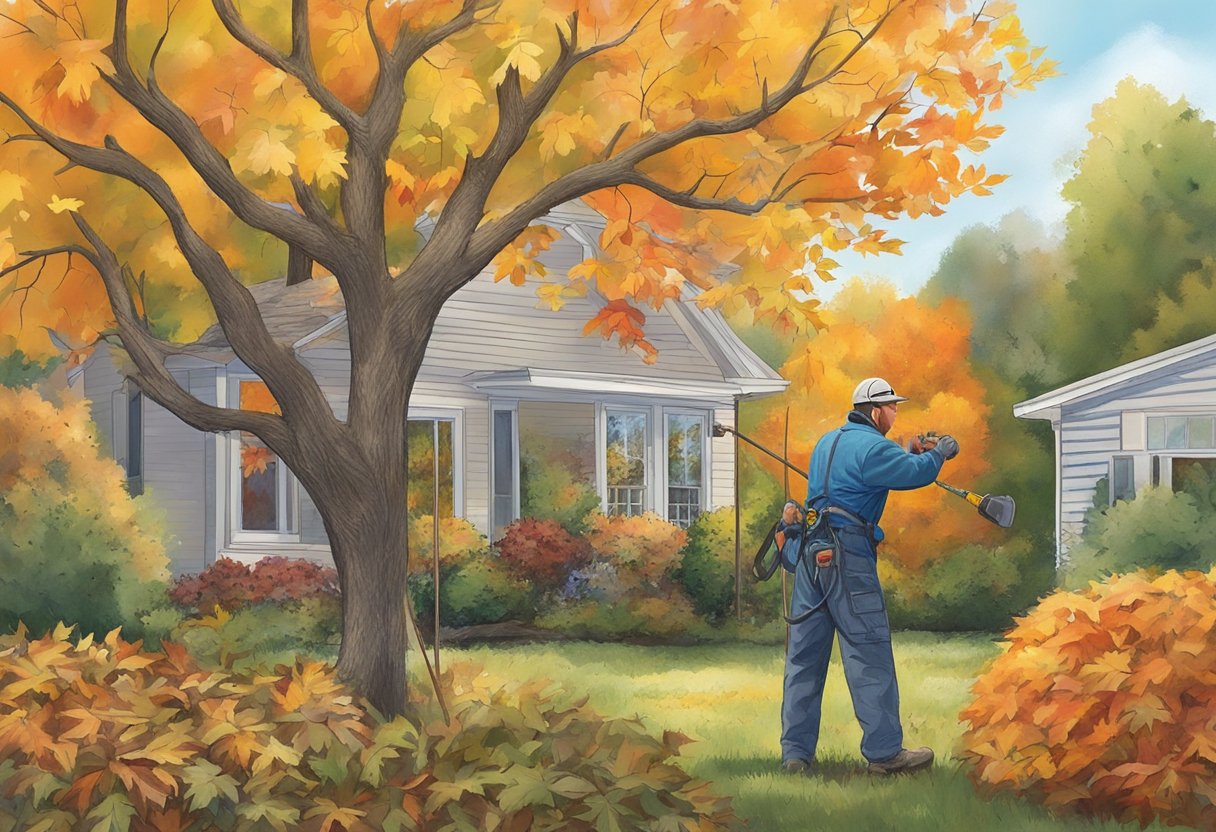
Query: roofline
[1124, 373]
[539, 379]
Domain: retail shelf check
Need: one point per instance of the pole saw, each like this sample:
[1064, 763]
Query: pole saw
[998, 509]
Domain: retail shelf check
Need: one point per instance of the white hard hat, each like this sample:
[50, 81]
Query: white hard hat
[876, 391]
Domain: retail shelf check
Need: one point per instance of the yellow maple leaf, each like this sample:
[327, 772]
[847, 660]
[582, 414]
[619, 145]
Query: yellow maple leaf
[261, 151]
[319, 162]
[58, 205]
[83, 62]
[457, 95]
[523, 57]
[12, 188]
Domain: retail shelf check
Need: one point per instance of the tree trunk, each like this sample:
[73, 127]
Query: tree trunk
[372, 554]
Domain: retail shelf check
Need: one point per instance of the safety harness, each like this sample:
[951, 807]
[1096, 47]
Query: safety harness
[824, 554]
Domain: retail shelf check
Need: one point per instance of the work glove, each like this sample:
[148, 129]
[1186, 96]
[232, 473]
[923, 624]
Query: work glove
[791, 515]
[922, 442]
[947, 446]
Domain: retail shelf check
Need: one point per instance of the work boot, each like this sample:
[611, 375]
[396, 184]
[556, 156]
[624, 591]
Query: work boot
[908, 759]
[796, 766]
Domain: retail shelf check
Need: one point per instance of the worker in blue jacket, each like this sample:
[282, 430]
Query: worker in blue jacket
[852, 470]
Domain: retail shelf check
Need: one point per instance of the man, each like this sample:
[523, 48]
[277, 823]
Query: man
[851, 472]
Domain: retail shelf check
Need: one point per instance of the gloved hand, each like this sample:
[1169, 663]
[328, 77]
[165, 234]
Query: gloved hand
[947, 446]
[923, 442]
[791, 515]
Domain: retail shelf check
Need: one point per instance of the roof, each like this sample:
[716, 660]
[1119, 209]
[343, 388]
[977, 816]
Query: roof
[1047, 406]
[291, 313]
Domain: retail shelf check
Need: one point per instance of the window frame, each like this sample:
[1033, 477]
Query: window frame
[1130, 461]
[455, 415]
[705, 418]
[287, 506]
[496, 407]
[134, 479]
[606, 411]
[1161, 417]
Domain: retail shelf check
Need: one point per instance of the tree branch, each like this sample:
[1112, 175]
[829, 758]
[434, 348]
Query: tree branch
[298, 64]
[148, 353]
[491, 237]
[161, 112]
[292, 383]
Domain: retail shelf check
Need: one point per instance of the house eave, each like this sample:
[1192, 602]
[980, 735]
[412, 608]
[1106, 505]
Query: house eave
[532, 382]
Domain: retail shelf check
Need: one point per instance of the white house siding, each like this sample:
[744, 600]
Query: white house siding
[1092, 432]
[103, 387]
[175, 473]
[722, 462]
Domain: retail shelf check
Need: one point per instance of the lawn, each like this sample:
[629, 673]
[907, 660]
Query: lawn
[727, 698]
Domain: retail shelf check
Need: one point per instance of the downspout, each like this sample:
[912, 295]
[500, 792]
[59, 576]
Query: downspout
[738, 514]
[1056, 427]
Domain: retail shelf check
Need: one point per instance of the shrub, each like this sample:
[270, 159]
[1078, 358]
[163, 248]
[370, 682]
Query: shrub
[707, 565]
[552, 488]
[971, 588]
[1103, 701]
[632, 618]
[459, 541]
[264, 633]
[645, 546]
[478, 591]
[215, 748]
[232, 585]
[1159, 528]
[73, 544]
[541, 552]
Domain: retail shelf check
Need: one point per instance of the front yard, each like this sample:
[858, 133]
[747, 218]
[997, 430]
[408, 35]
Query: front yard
[727, 698]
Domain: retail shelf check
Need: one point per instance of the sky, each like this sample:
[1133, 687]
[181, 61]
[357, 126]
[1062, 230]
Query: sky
[1171, 45]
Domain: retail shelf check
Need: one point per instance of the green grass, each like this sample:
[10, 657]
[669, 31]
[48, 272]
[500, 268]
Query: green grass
[728, 699]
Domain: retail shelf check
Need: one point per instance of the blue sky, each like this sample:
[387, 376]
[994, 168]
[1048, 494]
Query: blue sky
[1171, 45]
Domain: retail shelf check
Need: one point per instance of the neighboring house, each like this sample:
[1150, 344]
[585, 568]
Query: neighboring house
[502, 380]
[1138, 424]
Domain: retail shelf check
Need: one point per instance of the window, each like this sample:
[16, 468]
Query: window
[1122, 478]
[266, 490]
[421, 434]
[685, 461]
[1181, 432]
[625, 458]
[504, 476]
[135, 442]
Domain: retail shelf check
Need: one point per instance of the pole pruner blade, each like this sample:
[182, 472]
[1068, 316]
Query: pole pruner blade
[998, 509]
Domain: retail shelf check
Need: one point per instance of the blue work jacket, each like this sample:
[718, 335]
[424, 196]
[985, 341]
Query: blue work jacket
[865, 468]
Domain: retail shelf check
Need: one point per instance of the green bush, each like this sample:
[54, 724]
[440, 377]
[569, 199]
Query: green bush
[263, 634]
[1158, 529]
[707, 565]
[551, 488]
[74, 546]
[477, 591]
[971, 588]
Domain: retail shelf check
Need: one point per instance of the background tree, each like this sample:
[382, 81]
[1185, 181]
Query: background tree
[185, 150]
[1140, 232]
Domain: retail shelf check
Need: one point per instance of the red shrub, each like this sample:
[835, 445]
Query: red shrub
[542, 552]
[231, 585]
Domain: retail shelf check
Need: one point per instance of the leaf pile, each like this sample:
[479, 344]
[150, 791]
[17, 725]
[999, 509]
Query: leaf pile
[105, 736]
[1103, 702]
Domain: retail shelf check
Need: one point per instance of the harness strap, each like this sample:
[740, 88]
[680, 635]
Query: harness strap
[820, 517]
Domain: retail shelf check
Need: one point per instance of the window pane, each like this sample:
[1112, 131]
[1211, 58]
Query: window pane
[1175, 431]
[1156, 433]
[421, 476]
[1123, 486]
[135, 434]
[504, 470]
[259, 485]
[626, 463]
[684, 463]
[1199, 432]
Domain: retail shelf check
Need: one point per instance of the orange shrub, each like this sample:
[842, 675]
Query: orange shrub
[1103, 701]
[646, 545]
[458, 541]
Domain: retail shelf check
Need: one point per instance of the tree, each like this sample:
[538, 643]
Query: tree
[191, 148]
[1139, 233]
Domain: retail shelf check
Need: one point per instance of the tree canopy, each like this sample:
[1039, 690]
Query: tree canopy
[802, 125]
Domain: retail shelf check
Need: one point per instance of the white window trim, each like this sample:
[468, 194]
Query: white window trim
[1179, 414]
[602, 411]
[706, 418]
[511, 406]
[455, 415]
[288, 488]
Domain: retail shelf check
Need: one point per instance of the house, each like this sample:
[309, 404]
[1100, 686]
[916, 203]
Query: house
[1141, 423]
[505, 387]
